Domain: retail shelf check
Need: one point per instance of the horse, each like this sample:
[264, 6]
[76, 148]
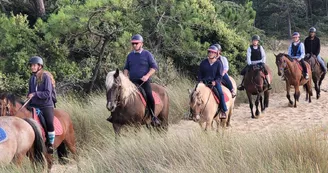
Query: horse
[293, 75]
[317, 73]
[254, 85]
[20, 138]
[127, 105]
[203, 106]
[13, 107]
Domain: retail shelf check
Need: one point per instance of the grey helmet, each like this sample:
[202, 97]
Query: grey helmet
[312, 29]
[35, 60]
[256, 37]
[218, 46]
[137, 39]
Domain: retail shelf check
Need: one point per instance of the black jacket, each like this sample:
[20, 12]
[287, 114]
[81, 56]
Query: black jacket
[312, 46]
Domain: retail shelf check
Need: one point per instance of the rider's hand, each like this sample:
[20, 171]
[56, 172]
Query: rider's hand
[213, 83]
[30, 95]
[145, 78]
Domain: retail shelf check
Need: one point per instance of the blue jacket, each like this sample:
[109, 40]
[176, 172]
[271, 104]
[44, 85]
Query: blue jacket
[208, 73]
[43, 92]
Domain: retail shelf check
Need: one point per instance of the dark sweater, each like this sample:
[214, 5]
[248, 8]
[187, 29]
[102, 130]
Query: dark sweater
[312, 46]
[43, 92]
[139, 64]
[209, 73]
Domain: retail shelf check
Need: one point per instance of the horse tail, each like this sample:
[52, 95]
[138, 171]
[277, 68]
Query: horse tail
[38, 146]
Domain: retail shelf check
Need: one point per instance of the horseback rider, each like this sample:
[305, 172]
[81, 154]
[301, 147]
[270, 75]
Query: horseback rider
[296, 51]
[210, 73]
[312, 46]
[225, 76]
[255, 56]
[140, 66]
[41, 95]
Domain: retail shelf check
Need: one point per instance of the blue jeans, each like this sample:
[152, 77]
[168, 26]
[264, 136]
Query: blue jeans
[227, 81]
[322, 62]
[221, 97]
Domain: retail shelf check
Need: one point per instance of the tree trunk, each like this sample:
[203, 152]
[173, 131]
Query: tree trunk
[98, 65]
[39, 7]
[289, 23]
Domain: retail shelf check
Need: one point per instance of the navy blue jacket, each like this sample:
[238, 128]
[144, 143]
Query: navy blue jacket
[43, 92]
[139, 64]
[208, 73]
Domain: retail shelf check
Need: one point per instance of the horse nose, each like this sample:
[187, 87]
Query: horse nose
[110, 106]
[197, 118]
[279, 73]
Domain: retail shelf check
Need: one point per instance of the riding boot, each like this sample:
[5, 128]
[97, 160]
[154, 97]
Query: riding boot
[220, 107]
[155, 121]
[241, 86]
[306, 76]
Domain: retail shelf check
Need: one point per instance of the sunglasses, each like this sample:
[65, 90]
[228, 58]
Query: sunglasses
[134, 43]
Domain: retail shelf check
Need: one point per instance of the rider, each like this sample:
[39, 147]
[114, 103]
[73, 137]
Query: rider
[312, 46]
[296, 51]
[140, 66]
[210, 72]
[255, 55]
[225, 75]
[41, 90]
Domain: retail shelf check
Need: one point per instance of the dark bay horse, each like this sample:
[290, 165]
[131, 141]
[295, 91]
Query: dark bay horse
[317, 73]
[293, 75]
[254, 85]
[22, 137]
[126, 106]
[13, 107]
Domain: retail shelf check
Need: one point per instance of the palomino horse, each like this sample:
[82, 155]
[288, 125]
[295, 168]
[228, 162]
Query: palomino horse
[20, 137]
[14, 107]
[317, 73]
[293, 75]
[203, 105]
[254, 85]
[126, 104]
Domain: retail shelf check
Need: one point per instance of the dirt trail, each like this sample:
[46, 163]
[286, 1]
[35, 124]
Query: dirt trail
[279, 116]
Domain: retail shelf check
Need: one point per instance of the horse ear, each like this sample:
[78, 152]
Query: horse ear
[189, 91]
[116, 73]
[275, 55]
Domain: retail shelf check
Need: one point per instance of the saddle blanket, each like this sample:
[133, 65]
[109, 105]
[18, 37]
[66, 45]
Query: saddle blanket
[3, 135]
[157, 99]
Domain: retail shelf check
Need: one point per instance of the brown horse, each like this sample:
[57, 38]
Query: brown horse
[20, 137]
[254, 85]
[203, 106]
[317, 73]
[293, 75]
[126, 106]
[13, 107]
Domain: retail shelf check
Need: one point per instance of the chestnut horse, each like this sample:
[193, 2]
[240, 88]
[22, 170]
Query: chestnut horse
[126, 106]
[13, 107]
[317, 73]
[293, 75]
[203, 106]
[20, 137]
[254, 85]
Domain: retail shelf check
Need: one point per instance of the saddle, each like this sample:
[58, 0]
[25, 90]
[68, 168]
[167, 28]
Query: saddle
[299, 65]
[226, 98]
[38, 117]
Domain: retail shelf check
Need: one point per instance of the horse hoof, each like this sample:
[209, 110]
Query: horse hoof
[253, 116]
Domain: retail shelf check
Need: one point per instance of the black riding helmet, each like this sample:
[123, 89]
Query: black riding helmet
[256, 37]
[35, 60]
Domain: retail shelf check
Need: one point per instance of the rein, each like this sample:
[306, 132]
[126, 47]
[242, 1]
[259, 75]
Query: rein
[138, 87]
[26, 102]
[208, 98]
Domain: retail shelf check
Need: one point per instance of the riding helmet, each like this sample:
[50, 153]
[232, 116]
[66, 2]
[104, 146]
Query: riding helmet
[296, 34]
[137, 39]
[312, 29]
[256, 37]
[213, 49]
[35, 60]
[218, 46]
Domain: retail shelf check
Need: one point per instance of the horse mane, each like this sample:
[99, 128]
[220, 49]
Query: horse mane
[13, 99]
[286, 55]
[128, 88]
